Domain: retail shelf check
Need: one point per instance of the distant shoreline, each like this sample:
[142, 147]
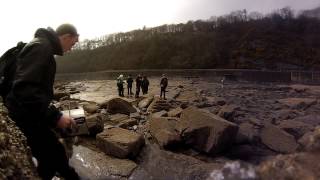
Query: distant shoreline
[235, 74]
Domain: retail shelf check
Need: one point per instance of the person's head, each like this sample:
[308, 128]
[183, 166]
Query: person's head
[68, 36]
[121, 76]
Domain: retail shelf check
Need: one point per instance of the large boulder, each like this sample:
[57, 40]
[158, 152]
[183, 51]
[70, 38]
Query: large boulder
[311, 141]
[158, 105]
[91, 108]
[91, 164]
[228, 112]
[120, 143]
[144, 103]
[118, 105]
[95, 124]
[128, 123]
[294, 167]
[247, 134]
[277, 139]
[117, 119]
[295, 128]
[175, 112]
[165, 165]
[205, 131]
[163, 130]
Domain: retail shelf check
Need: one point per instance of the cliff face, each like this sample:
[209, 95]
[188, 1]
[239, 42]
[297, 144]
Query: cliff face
[15, 155]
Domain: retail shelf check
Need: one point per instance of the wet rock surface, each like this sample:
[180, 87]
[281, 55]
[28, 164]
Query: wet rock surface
[91, 164]
[163, 165]
[204, 130]
[163, 130]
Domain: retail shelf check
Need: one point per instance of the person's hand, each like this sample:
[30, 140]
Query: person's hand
[65, 122]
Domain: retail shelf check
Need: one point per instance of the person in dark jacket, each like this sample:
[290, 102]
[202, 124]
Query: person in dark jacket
[145, 85]
[138, 85]
[129, 85]
[120, 83]
[29, 99]
[163, 86]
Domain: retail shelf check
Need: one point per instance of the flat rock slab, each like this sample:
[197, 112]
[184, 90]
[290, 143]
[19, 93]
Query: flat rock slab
[278, 140]
[188, 95]
[312, 119]
[298, 103]
[117, 119]
[144, 103]
[162, 113]
[175, 112]
[295, 128]
[164, 165]
[119, 142]
[95, 165]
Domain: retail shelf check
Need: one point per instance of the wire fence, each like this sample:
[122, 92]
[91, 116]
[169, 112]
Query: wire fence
[305, 76]
[312, 77]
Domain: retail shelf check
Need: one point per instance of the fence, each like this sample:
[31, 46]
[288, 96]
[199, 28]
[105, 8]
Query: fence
[235, 74]
[305, 77]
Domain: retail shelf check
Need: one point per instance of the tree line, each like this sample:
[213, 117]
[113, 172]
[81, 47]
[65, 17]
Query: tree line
[282, 39]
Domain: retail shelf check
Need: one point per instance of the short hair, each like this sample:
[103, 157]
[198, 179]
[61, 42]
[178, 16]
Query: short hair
[66, 29]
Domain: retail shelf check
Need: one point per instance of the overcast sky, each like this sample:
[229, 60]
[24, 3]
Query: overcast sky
[20, 18]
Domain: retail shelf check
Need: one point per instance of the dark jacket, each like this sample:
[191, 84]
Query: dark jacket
[164, 82]
[32, 89]
[145, 83]
[129, 82]
[138, 81]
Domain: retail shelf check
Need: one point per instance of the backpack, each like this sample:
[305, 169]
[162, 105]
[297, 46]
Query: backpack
[8, 67]
[119, 82]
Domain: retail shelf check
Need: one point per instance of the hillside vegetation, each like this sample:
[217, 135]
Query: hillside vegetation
[280, 40]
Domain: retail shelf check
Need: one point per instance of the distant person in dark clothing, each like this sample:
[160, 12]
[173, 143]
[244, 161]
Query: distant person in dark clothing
[120, 85]
[129, 85]
[145, 85]
[29, 100]
[163, 86]
[138, 85]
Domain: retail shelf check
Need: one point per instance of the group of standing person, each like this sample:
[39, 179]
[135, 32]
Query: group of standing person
[142, 83]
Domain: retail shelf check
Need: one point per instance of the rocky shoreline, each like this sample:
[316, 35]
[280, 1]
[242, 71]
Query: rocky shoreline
[204, 130]
[15, 155]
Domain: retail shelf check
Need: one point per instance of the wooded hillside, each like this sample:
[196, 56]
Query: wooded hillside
[280, 40]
